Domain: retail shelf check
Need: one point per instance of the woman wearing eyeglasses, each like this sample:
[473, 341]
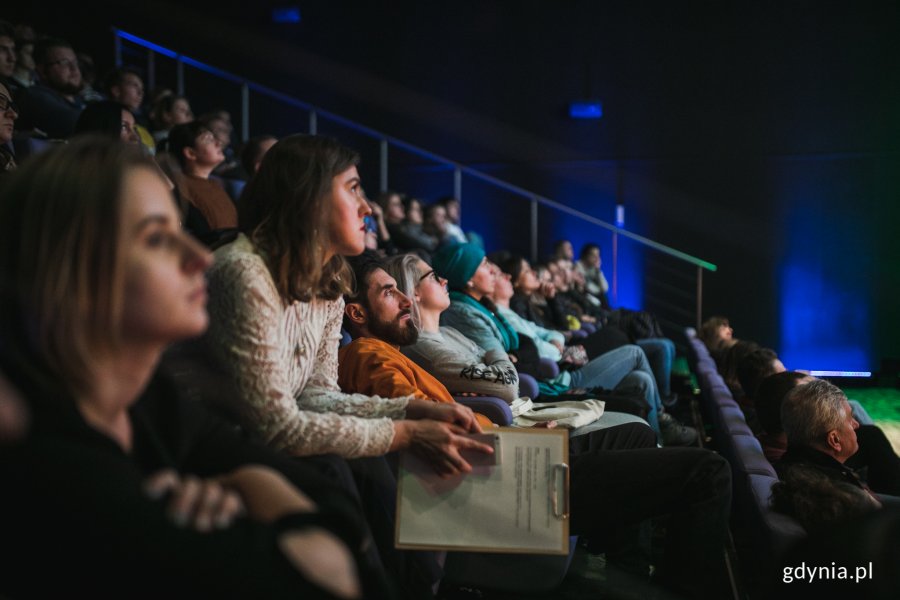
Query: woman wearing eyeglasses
[108, 118]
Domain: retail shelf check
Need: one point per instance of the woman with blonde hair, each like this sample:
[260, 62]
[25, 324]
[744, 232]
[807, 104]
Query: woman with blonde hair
[120, 488]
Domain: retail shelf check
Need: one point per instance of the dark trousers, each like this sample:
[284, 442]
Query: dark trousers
[415, 573]
[621, 481]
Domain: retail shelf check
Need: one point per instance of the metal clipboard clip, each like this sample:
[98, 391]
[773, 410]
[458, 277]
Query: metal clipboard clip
[562, 469]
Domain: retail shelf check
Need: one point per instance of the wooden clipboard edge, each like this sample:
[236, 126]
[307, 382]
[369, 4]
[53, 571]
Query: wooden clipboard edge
[564, 548]
[488, 549]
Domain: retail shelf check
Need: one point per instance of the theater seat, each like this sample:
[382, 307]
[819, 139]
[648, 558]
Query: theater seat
[493, 408]
[528, 386]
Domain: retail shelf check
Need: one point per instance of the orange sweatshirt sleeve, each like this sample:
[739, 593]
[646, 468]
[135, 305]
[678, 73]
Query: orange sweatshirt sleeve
[369, 366]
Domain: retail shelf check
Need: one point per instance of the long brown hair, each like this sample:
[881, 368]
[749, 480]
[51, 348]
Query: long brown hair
[285, 211]
[61, 292]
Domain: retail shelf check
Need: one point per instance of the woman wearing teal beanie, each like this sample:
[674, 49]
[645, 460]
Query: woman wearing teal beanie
[470, 279]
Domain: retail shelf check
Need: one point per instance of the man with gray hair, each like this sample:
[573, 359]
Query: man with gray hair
[817, 486]
[816, 416]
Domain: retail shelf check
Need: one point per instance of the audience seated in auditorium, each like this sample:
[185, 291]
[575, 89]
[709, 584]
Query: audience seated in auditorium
[718, 336]
[562, 250]
[378, 238]
[453, 359]
[435, 223]
[167, 111]
[219, 122]
[198, 152]
[23, 76]
[380, 319]
[589, 265]
[52, 105]
[110, 119]
[817, 486]
[8, 116]
[544, 304]
[875, 461]
[570, 289]
[125, 85]
[88, 78]
[403, 217]
[641, 481]
[120, 486]
[454, 231]
[728, 366]
[751, 370]
[471, 280]
[462, 366]
[254, 151]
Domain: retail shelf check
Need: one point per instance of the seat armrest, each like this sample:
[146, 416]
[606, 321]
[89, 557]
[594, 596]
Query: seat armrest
[492, 407]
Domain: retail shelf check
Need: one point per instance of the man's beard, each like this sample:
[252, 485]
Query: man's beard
[68, 89]
[395, 332]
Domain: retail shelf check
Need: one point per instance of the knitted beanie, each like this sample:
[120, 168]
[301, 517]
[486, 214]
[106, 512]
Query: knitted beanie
[457, 263]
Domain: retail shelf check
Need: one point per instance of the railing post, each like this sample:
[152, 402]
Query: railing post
[179, 76]
[151, 71]
[534, 230]
[117, 48]
[699, 297]
[313, 122]
[383, 166]
[457, 185]
[245, 112]
[615, 269]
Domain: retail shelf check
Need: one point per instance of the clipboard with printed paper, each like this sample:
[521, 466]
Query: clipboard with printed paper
[518, 505]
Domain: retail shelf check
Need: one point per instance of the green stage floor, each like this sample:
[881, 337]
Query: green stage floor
[883, 405]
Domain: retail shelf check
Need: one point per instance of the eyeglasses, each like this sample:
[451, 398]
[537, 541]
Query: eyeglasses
[6, 104]
[66, 63]
[434, 276]
[207, 138]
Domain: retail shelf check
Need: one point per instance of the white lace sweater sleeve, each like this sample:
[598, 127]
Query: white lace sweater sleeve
[284, 360]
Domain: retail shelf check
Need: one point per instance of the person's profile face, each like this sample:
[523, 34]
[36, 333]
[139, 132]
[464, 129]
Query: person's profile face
[847, 433]
[395, 211]
[7, 56]
[431, 289]
[128, 131]
[60, 70]
[482, 282]
[390, 311]
[348, 211]
[164, 297]
[130, 91]
[414, 212]
[181, 113]
[8, 115]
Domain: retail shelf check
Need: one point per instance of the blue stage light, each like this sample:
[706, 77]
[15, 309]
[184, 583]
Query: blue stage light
[585, 110]
[286, 14]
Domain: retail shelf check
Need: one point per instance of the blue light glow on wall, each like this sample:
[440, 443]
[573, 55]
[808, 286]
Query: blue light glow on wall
[826, 274]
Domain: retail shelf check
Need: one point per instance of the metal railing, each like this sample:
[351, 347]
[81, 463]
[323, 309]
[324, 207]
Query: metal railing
[386, 142]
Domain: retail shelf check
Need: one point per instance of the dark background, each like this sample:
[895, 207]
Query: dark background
[762, 137]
